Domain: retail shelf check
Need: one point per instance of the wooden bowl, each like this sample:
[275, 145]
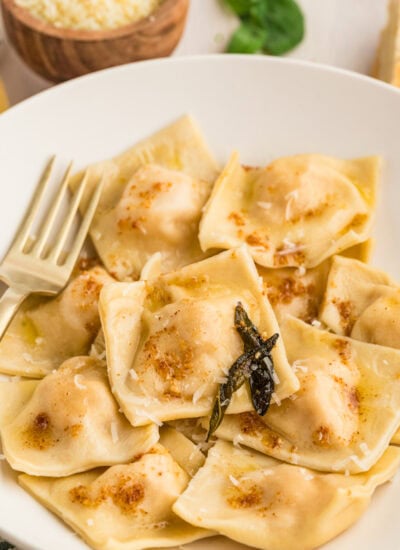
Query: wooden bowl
[59, 54]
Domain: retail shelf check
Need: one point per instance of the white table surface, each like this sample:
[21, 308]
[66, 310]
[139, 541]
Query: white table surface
[343, 33]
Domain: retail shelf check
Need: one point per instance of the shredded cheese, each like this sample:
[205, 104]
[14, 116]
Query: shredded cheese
[90, 15]
[234, 481]
[114, 433]
[78, 382]
[133, 374]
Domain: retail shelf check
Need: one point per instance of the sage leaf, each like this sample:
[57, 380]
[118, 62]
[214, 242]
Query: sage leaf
[248, 38]
[255, 365]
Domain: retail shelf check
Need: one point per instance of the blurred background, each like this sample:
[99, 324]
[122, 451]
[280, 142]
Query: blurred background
[342, 33]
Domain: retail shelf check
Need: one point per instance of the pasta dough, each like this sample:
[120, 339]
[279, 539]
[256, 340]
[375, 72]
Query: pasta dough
[262, 502]
[356, 296]
[186, 453]
[345, 413]
[43, 334]
[279, 210]
[124, 507]
[299, 292]
[170, 342]
[152, 200]
[67, 423]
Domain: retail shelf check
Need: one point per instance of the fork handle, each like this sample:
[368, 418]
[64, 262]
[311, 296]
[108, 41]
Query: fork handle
[9, 305]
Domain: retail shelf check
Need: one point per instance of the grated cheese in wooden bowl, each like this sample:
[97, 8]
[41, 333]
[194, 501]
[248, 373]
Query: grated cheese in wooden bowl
[90, 14]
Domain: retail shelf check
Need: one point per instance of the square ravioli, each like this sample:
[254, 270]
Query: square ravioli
[182, 449]
[298, 291]
[265, 503]
[68, 422]
[345, 413]
[152, 201]
[356, 296]
[171, 341]
[278, 210]
[125, 507]
[44, 333]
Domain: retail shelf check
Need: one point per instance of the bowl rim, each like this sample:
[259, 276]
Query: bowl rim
[24, 16]
[204, 58]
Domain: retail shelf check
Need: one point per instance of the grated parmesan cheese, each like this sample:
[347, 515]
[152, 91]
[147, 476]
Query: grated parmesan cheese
[199, 393]
[290, 198]
[299, 366]
[78, 382]
[290, 250]
[234, 481]
[149, 416]
[275, 378]
[114, 433]
[301, 271]
[133, 374]
[315, 323]
[237, 440]
[264, 205]
[364, 448]
[276, 399]
[306, 474]
[90, 15]
[352, 458]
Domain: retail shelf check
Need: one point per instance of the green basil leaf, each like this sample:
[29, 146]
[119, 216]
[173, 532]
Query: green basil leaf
[284, 22]
[248, 38]
[241, 7]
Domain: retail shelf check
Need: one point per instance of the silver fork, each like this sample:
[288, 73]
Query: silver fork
[30, 266]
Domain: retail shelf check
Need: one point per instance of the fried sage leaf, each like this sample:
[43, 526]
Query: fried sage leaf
[237, 375]
[247, 330]
[255, 365]
[262, 385]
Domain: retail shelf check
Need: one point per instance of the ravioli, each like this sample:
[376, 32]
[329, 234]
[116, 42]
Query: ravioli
[125, 507]
[356, 296]
[152, 200]
[345, 413]
[298, 291]
[44, 333]
[171, 342]
[265, 503]
[292, 291]
[67, 423]
[297, 211]
[183, 450]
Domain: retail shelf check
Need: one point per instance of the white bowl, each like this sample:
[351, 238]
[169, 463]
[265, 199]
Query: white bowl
[262, 106]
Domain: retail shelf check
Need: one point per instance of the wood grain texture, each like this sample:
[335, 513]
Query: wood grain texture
[60, 54]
